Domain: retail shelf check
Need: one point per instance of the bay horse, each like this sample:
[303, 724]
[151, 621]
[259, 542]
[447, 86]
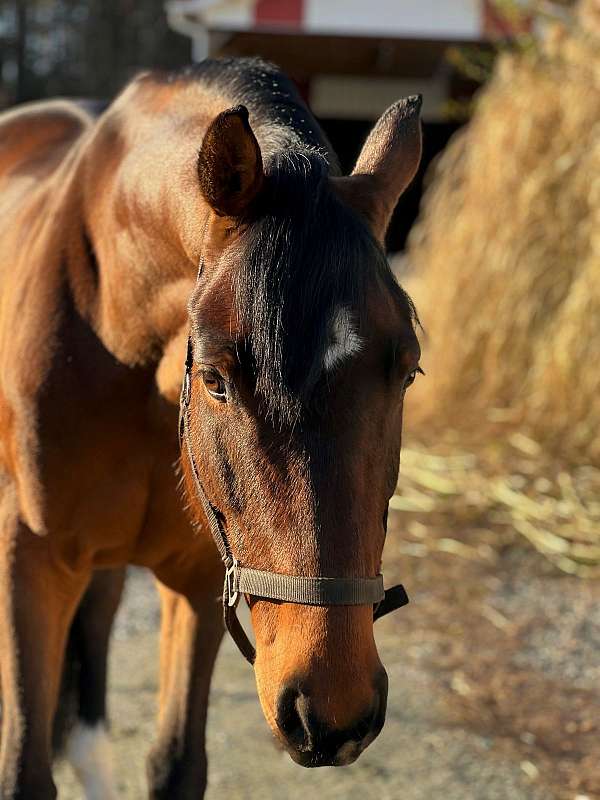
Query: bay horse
[203, 213]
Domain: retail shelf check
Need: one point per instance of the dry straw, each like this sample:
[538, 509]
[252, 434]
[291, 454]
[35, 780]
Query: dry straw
[505, 273]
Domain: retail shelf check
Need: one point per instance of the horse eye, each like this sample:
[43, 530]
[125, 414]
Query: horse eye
[410, 378]
[215, 385]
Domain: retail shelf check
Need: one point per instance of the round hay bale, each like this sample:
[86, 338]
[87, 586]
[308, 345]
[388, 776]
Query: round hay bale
[505, 257]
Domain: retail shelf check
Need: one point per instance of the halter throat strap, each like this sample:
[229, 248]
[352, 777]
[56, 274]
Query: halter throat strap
[241, 579]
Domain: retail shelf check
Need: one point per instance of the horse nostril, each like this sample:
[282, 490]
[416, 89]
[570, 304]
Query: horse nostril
[312, 741]
[380, 705]
[290, 718]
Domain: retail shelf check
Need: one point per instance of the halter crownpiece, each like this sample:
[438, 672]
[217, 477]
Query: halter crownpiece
[240, 579]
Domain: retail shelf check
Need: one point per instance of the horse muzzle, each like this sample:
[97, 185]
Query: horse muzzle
[312, 741]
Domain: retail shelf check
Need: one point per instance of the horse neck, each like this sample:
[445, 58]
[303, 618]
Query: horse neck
[140, 221]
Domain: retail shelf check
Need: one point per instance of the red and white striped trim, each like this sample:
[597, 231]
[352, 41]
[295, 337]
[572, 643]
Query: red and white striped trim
[458, 20]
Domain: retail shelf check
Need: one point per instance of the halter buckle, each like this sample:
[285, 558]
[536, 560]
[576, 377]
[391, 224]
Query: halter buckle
[231, 583]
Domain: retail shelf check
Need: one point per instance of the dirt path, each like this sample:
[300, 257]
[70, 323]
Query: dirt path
[494, 691]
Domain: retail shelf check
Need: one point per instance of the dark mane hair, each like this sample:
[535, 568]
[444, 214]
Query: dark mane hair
[306, 256]
[279, 116]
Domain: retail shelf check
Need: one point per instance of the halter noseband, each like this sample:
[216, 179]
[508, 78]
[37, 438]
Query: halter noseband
[240, 579]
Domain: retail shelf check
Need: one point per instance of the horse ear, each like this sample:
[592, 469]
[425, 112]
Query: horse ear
[230, 164]
[387, 163]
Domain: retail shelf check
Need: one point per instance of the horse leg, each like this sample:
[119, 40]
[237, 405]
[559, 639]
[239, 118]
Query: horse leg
[37, 603]
[88, 746]
[191, 631]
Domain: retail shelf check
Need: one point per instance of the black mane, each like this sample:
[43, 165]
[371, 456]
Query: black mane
[279, 117]
[304, 257]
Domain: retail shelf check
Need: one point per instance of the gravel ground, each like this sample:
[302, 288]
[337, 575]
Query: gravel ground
[494, 691]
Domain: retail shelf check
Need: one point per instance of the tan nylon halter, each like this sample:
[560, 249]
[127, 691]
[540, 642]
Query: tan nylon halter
[241, 579]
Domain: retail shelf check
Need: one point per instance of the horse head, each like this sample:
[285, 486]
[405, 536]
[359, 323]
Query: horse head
[302, 346]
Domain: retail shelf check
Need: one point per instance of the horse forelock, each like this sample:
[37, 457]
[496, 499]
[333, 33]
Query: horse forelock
[307, 261]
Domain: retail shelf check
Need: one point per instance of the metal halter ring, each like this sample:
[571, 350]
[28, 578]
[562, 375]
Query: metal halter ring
[231, 584]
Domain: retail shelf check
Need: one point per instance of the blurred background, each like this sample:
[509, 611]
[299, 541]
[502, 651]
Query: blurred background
[495, 527]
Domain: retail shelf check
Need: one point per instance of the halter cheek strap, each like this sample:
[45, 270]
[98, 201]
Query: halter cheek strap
[240, 579]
